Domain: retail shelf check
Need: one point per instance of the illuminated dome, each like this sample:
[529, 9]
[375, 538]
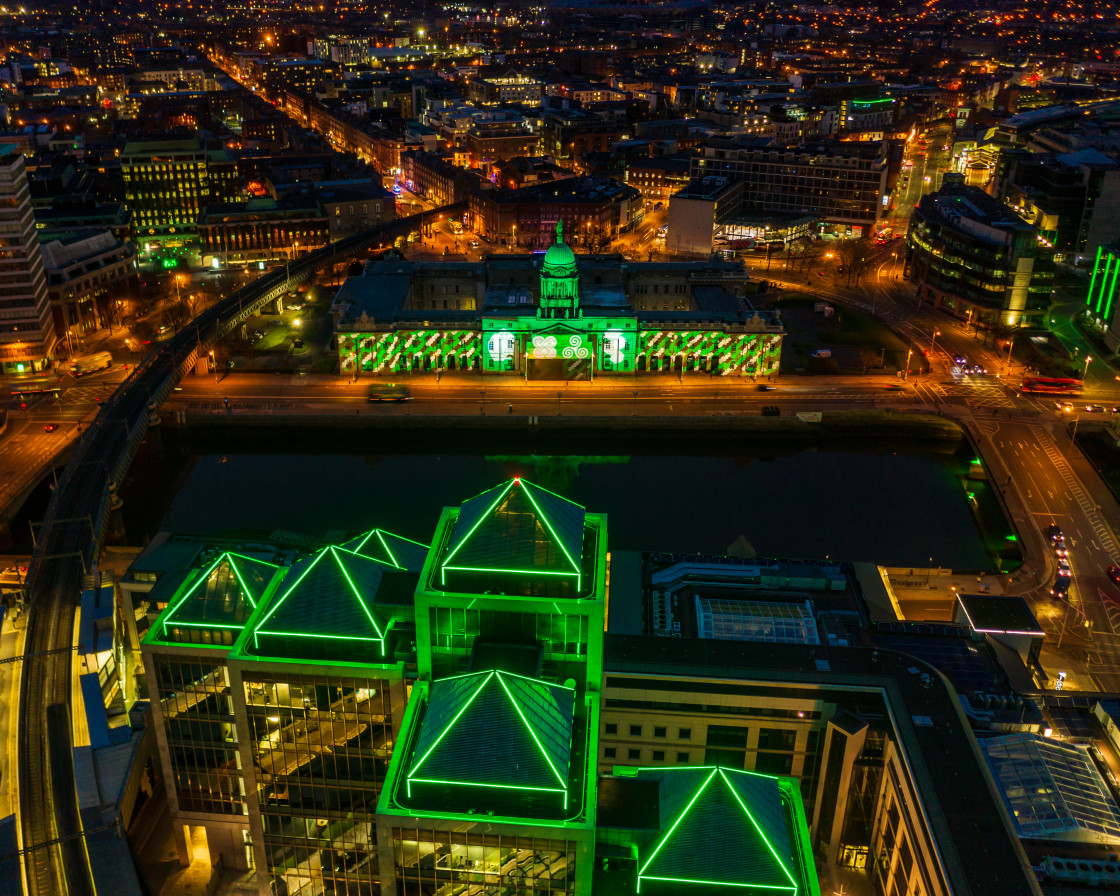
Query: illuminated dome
[559, 260]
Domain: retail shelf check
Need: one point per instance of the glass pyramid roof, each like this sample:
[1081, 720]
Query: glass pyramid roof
[392, 550]
[517, 527]
[496, 729]
[720, 827]
[329, 595]
[224, 595]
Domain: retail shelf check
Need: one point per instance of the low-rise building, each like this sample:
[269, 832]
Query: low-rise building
[435, 177]
[353, 206]
[508, 88]
[841, 183]
[496, 137]
[261, 230]
[596, 210]
[88, 275]
[569, 134]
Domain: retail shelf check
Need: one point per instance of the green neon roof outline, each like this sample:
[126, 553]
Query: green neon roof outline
[758, 827]
[449, 725]
[230, 557]
[529, 728]
[284, 597]
[390, 804]
[411, 775]
[380, 533]
[535, 572]
[478, 522]
[527, 488]
[669, 833]
[355, 593]
[1093, 279]
[713, 883]
[722, 773]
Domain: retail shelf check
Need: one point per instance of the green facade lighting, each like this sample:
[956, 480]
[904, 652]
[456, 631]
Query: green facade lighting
[747, 354]
[1101, 296]
[399, 351]
[559, 337]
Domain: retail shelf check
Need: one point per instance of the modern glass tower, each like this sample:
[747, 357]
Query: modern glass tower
[383, 717]
[492, 783]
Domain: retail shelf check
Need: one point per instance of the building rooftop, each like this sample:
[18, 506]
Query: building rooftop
[753, 620]
[392, 550]
[517, 527]
[328, 606]
[1052, 789]
[221, 595]
[955, 202]
[979, 852]
[730, 830]
[495, 730]
[988, 614]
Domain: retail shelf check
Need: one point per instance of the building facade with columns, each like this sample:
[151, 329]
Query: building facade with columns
[556, 316]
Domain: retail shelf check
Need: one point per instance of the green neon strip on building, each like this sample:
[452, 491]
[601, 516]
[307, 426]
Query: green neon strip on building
[1111, 287]
[757, 827]
[1093, 279]
[676, 823]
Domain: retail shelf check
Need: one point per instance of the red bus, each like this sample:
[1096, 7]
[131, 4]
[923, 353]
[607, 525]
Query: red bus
[1053, 385]
[883, 236]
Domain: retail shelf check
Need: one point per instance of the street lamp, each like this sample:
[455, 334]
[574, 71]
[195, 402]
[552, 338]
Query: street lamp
[1010, 345]
[906, 372]
[1085, 372]
[933, 340]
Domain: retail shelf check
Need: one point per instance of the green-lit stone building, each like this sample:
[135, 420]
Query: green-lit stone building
[554, 316]
[383, 717]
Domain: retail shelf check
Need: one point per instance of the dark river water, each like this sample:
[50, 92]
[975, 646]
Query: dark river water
[894, 502]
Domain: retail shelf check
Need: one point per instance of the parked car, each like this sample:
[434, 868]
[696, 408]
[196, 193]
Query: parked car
[50, 427]
[771, 410]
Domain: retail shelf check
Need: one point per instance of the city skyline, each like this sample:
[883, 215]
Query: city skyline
[585, 448]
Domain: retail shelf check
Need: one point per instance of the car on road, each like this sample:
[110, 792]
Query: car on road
[50, 427]
[1063, 567]
[895, 387]
[1113, 573]
[821, 353]
[1093, 409]
[389, 392]
[765, 387]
